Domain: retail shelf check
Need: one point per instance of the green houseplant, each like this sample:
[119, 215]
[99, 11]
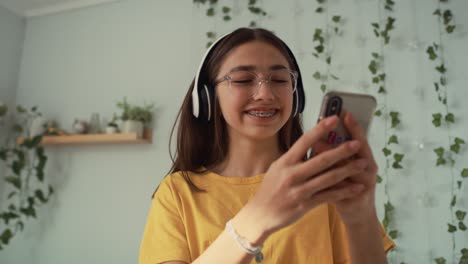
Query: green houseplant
[135, 117]
[22, 163]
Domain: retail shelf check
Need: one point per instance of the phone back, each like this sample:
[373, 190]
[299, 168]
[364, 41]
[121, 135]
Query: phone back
[362, 106]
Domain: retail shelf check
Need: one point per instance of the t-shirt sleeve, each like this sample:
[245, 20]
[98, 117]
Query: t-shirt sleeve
[340, 242]
[164, 237]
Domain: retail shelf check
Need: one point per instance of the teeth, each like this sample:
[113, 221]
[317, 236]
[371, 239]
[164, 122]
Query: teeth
[262, 113]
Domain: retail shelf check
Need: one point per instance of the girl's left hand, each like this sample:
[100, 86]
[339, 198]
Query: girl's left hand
[361, 208]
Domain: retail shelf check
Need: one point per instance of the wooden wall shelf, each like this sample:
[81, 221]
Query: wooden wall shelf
[94, 139]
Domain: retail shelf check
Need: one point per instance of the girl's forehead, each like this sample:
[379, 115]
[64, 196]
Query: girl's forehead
[256, 53]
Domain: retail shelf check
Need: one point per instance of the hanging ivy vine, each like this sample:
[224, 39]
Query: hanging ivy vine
[382, 30]
[226, 12]
[25, 162]
[323, 40]
[257, 11]
[446, 155]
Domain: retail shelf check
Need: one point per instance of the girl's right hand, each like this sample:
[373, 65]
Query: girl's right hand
[292, 186]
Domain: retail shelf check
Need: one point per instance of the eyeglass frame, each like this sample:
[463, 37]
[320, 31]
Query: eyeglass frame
[226, 77]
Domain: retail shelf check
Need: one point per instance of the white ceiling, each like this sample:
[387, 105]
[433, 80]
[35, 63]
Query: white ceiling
[30, 8]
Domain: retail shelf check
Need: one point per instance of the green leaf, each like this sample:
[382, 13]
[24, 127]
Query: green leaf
[454, 201]
[210, 34]
[396, 165]
[210, 12]
[450, 118]
[29, 211]
[6, 236]
[393, 234]
[375, 79]
[459, 141]
[440, 260]
[436, 119]
[375, 25]
[15, 181]
[461, 226]
[459, 184]
[226, 9]
[375, 55]
[252, 2]
[336, 19]
[319, 48]
[398, 157]
[334, 77]
[379, 179]
[316, 75]
[393, 139]
[319, 10]
[226, 18]
[460, 215]
[451, 228]
[395, 119]
[437, 12]
[430, 51]
[436, 85]
[208, 44]
[381, 90]
[389, 207]
[441, 68]
[11, 194]
[378, 113]
[373, 67]
[323, 87]
[40, 195]
[440, 161]
[455, 148]
[447, 16]
[450, 28]
[464, 173]
[382, 76]
[464, 252]
[328, 60]
[386, 152]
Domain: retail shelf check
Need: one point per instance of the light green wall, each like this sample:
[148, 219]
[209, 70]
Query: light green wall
[11, 45]
[83, 61]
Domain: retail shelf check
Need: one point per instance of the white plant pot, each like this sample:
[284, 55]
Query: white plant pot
[131, 126]
[111, 130]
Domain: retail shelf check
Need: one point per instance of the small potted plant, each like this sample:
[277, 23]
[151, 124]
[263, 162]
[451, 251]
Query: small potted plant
[112, 126]
[134, 117]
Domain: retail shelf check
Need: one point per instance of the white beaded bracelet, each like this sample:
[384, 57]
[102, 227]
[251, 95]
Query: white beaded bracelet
[244, 244]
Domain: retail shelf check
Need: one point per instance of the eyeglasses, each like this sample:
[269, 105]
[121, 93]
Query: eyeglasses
[247, 82]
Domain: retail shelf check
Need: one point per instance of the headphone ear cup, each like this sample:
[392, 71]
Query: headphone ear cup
[206, 102]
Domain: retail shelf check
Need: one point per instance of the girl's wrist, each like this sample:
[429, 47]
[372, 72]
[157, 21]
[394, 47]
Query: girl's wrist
[250, 227]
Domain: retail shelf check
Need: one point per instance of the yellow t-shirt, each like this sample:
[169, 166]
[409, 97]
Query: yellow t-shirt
[182, 224]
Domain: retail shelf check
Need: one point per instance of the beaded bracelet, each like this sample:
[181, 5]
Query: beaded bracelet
[244, 244]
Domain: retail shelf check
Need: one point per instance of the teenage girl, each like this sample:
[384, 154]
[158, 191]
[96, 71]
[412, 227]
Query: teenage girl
[242, 188]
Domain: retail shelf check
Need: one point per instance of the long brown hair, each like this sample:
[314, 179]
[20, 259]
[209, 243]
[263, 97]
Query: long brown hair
[203, 144]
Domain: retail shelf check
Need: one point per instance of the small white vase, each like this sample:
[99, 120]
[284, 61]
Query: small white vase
[132, 126]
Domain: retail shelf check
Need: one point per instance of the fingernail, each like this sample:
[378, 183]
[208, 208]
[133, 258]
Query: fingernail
[330, 121]
[354, 145]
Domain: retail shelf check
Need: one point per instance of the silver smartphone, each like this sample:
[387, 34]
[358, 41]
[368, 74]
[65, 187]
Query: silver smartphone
[362, 106]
